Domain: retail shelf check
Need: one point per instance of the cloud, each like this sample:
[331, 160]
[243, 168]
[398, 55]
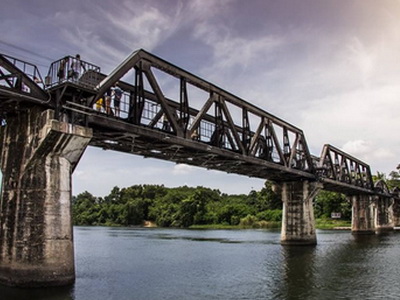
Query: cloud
[234, 51]
[357, 147]
[228, 47]
[204, 11]
[183, 169]
[362, 58]
[142, 25]
[114, 30]
[368, 152]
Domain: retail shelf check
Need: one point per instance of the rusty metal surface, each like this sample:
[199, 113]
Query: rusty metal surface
[216, 130]
[336, 166]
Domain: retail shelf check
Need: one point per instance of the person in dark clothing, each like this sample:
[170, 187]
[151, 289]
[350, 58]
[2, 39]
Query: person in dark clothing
[117, 92]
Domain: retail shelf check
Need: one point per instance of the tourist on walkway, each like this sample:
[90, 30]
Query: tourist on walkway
[117, 92]
[76, 67]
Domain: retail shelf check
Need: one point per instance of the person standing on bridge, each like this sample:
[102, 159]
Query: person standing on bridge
[76, 67]
[117, 92]
[99, 104]
[165, 123]
[61, 69]
[107, 98]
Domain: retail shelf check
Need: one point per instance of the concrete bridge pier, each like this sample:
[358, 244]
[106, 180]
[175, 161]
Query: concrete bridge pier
[362, 221]
[38, 155]
[298, 222]
[396, 211]
[383, 214]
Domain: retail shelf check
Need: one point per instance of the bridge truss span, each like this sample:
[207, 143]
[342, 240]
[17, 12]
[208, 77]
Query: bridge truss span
[344, 173]
[229, 133]
[169, 113]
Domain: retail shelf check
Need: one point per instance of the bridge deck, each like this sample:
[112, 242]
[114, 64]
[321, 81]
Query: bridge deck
[117, 135]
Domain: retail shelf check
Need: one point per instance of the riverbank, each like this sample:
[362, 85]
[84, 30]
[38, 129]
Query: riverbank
[332, 224]
[319, 224]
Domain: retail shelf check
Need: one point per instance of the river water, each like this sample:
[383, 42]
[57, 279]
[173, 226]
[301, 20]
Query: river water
[132, 263]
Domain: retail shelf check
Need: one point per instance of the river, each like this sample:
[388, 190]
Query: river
[134, 263]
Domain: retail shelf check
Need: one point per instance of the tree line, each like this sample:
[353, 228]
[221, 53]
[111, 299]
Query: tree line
[186, 206]
[174, 207]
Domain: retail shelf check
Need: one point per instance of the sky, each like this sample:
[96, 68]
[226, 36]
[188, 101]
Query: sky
[331, 68]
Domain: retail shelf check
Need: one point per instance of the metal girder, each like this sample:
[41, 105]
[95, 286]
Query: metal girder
[168, 111]
[118, 73]
[184, 114]
[205, 137]
[232, 126]
[220, 128]
[217, 135]
[343, 170]
[382, 189]
[246, 131]
[200, 115]
[137, 106]
[18, 81]
[155, 143]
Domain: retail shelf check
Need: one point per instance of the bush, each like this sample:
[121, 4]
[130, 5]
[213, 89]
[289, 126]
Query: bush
[270, 215]
[248, 221]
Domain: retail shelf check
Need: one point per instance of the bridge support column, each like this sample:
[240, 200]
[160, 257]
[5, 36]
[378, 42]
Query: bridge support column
[383, 214]
[396, 211]
[362, 216]
[37, 156]
[298, 223]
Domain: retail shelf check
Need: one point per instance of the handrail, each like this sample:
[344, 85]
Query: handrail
[29, 69]
[72, 70]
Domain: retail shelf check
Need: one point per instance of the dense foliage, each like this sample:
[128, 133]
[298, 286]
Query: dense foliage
[187, 206]
[327, 203]
[177, 207]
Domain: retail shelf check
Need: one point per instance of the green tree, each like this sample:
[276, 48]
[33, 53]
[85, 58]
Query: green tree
[85, 209]
[182, 206]
[165, 210]
[193, 209]
[328, 202]
[113, 197]
[268, 199]
[394, 179]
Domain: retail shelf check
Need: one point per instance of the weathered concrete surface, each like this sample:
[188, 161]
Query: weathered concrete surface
[396, 212]
[383, 214]
[38, 154]
[298, 222]
[362, 221]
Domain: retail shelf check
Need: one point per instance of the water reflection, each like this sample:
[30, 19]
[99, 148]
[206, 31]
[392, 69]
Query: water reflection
[51, 293]
[299, 271]
[219, 264]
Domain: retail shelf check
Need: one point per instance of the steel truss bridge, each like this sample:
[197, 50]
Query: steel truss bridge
[171, 114]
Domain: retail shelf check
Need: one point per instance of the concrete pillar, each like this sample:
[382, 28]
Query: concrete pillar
[396, 211]
[37, 156]
[298, 223]
[383, 214]
[362, 221]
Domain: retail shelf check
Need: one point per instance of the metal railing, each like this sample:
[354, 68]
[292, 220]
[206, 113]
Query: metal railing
[13, 80]
[73, 70]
